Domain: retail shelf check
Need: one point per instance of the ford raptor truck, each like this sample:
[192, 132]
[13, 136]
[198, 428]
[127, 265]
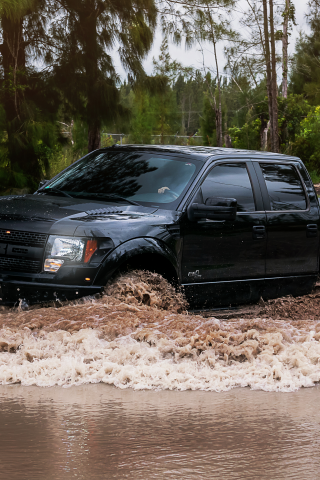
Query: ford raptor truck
[229, 226]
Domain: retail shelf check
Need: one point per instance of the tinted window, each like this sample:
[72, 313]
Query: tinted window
[137, 176]
[284, 187]
[230, 180]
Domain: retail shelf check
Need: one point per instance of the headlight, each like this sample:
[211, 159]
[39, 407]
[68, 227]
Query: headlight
[60, 249]
[68, 248]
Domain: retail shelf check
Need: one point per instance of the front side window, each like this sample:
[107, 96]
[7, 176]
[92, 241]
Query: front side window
[230, 180]
[284, 187]
[132, 175]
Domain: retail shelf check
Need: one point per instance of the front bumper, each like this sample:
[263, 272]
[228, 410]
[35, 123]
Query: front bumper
[12, 292]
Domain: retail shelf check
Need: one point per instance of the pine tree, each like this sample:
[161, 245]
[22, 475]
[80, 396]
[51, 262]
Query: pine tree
[305, 74]
[84, 68]
[29, 109]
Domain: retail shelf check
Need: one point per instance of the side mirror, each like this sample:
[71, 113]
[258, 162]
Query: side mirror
[42, 183]
[215, 208]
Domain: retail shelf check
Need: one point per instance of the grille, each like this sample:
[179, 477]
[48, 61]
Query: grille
[31, 239]
[20, 265]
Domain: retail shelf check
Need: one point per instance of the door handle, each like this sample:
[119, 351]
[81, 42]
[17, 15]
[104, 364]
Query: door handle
[259, 232]
[312, 230]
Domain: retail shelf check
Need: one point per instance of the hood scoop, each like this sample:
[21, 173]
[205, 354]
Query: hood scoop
[99, 213]
[104, 211]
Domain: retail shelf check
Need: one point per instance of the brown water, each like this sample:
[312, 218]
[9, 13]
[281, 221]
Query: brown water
[166, 418]
[100, 432]
[138, 335]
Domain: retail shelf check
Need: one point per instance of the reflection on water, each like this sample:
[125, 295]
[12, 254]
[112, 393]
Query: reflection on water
[100, 432]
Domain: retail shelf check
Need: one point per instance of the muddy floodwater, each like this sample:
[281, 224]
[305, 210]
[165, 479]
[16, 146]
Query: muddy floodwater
[134, 385]
[101, 432]
[139, 335]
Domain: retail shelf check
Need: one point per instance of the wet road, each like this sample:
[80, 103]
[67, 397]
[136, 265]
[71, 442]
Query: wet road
[100, 432]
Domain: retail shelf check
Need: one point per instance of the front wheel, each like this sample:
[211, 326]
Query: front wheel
[142, 287]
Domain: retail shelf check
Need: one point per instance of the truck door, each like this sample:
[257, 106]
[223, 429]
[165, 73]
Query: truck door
[224, 252]
[292, 220]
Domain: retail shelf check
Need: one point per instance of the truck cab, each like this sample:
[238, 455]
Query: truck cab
[271, 246]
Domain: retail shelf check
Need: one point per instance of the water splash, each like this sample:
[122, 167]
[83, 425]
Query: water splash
[139, 335]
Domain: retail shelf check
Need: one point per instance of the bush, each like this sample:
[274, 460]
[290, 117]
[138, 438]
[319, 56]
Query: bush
[307, 143]
[248, 136]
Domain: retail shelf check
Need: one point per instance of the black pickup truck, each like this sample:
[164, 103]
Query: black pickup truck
[229, 225]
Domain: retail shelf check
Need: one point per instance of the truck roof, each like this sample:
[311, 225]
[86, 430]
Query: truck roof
[203, 153]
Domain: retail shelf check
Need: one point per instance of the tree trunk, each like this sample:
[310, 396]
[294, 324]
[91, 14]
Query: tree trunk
[88, 24]
[183, 122]
[213, 104]
[217, 116]
[219, 110]
[21, 151]
[263, 132]
[94, 137]
[268, 66]
[285, 51]
[275, 127]
[189, 114]
[13, 54]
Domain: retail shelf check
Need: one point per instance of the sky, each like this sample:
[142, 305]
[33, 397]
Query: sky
[193, 58]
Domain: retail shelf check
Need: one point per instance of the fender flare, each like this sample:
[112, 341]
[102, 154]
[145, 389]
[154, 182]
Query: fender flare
[127, 250]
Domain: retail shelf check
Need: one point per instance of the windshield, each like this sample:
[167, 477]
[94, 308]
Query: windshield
[135, 176]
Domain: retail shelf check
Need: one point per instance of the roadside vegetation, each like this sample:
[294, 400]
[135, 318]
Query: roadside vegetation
[61, 94]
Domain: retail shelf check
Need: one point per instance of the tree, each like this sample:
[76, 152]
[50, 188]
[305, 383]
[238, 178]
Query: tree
[307, 141]
[257, 55]
[305, 74]
[28, 105]
[189, 89]
[274, 87]
[202, 22]
[268, 69]
[86, 32]
[285, 42]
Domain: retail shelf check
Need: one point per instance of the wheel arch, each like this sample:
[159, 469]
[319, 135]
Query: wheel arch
[141, 254]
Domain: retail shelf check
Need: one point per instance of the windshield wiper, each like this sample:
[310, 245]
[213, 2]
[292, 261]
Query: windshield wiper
[110, 196]
[55, 190]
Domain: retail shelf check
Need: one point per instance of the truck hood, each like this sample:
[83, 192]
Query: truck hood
[68, 216]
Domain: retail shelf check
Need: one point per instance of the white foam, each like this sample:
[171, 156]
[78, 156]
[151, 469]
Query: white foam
[61, 358]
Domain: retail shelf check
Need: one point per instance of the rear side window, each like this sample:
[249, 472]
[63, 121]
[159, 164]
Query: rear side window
[284, 187]
[230, 180]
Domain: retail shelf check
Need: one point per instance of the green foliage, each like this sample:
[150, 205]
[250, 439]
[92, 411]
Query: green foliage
[189, 90]
[15, 8]
[79, 137]
[50, 117]
[143, 118]
[305, 74]
[315, 177]
[307, 142]
[85, 46]
[248, 136]
[107, 141]
[292, 111]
